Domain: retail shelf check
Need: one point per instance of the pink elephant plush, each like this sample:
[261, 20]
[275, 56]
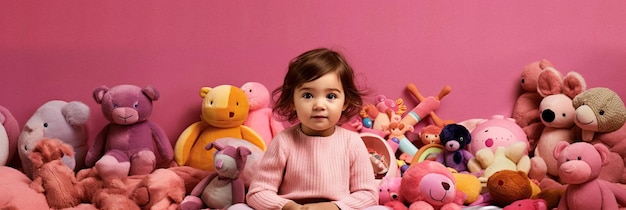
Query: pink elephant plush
[130, 144]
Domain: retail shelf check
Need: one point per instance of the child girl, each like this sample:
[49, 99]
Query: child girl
[316, 164]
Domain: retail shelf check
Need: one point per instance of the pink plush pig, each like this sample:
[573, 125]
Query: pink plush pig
[260, 117]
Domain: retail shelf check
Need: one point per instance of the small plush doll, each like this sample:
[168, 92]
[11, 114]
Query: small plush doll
[579, 166]
[455, 138]
[130, 144]
[57, 119]
[389, 190]
[222, 188]
[260, 117]
[508, 186]
[430, 185]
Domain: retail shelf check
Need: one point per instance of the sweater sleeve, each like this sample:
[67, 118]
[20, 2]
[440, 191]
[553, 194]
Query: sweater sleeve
[363, 185]
[263, 190]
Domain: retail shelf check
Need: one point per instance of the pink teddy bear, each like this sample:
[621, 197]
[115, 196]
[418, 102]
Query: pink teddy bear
[579, 166]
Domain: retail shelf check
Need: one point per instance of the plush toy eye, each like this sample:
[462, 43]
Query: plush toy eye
[237, 104]
[136, 105]
[115, 105]
[45, 125]
[211, 102]
[580, 158]
[461, 139]
[601, 112]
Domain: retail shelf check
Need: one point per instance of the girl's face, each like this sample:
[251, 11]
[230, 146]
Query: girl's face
[319, 104]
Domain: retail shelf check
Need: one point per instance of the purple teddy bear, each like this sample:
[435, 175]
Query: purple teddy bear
[130, 144]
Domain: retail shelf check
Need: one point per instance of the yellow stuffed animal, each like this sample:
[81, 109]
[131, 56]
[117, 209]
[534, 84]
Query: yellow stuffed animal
[224, 110]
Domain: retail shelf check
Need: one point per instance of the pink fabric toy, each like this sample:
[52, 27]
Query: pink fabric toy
[527, 204]
[579, 166]
[130, 144]
[222, 188]
[9, 132]
[260, 117]
[601, 114]
[430, 185]
[526, 108]
[16, 192]
[557, 116]
[389, 190]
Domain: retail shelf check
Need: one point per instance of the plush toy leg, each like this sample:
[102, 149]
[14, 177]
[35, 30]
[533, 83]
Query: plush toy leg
[109, 167]
[420, 111]
[421, 205]
[538, 168]
[142, 162]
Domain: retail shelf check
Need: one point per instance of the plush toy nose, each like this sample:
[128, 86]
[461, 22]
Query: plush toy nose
[548, 115]
[219, 164]
[445, 185]
[231, 114]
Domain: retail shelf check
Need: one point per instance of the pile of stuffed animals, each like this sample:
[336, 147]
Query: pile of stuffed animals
[560, 148]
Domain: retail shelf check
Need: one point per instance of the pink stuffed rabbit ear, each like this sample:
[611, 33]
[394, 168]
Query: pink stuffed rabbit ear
[550, 82]
[573, 84]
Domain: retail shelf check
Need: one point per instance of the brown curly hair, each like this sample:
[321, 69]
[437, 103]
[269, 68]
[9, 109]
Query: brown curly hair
[310, 66]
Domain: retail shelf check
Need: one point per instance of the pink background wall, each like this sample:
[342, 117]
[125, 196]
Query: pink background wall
[65, 49]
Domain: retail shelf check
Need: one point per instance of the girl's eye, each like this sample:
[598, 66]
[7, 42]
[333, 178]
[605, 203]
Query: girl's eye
[307, 95]
[331, 96]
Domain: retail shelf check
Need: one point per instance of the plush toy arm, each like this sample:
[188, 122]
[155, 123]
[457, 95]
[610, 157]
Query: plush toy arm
[97, 149]
[253, 137]
[186, 140]
[37, 185]
[191, 203]
[162, 142]
[239, 194]
[197, 190]
[275, 125]
[618, 191]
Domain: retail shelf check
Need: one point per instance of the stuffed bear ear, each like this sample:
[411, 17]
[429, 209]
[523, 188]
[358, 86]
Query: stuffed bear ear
[549, 82]
[99, 92]
[151, 92]
[76, 113]
[559, 148]
[204, 91]
[604, 153]
[573, 84]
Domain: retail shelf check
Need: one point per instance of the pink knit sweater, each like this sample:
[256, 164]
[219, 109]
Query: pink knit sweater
[311, 169]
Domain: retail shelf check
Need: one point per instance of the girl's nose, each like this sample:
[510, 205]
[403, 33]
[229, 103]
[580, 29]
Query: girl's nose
[318, 105]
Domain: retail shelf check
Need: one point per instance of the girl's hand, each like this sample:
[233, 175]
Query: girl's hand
[321, 206]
